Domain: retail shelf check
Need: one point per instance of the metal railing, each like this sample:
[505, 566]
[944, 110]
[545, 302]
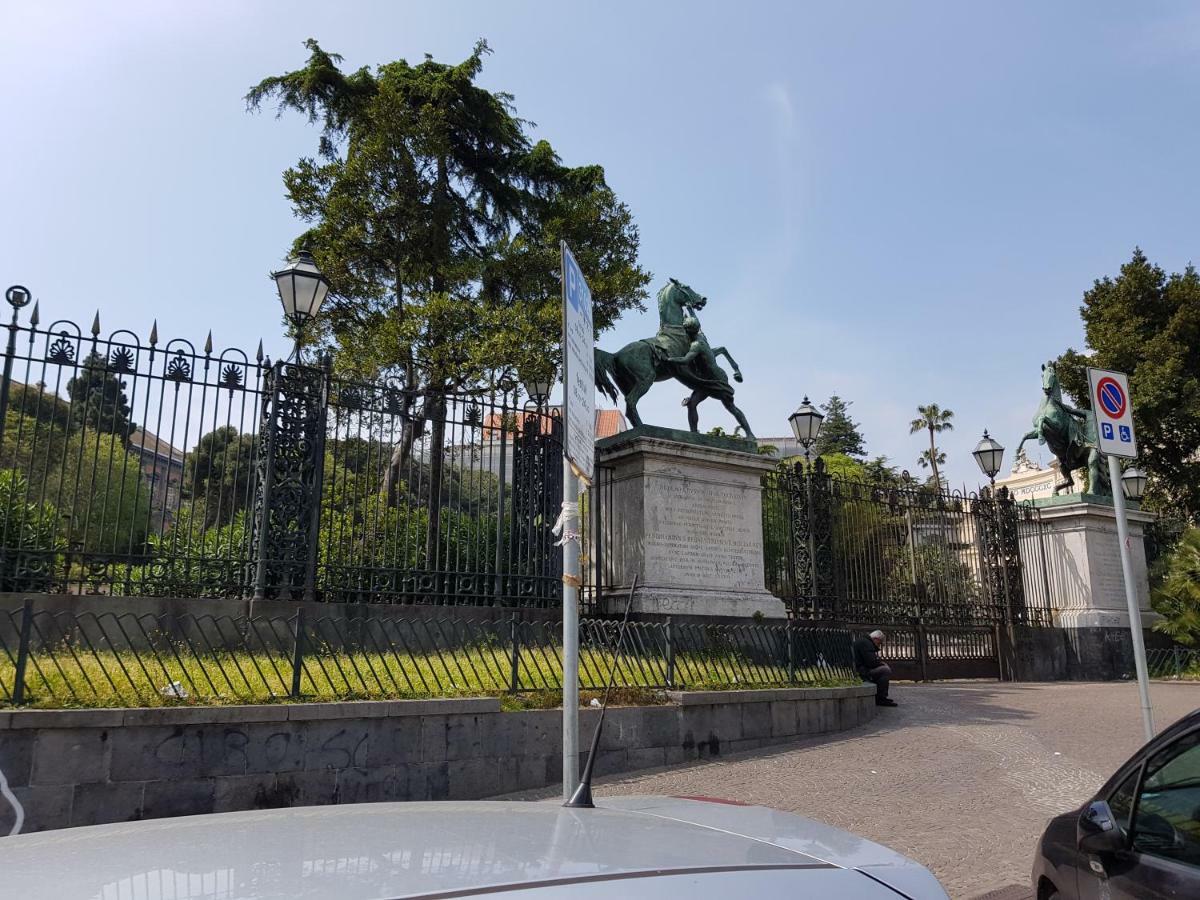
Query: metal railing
[848, 551]
[50, 659]
[133, 466]
[1175, 662]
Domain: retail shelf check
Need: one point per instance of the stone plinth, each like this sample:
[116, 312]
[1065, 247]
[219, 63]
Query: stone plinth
[1087, 589]
[686, 520]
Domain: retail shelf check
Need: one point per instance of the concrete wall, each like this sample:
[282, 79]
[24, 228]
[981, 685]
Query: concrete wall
[85, 767]
[1077, 654]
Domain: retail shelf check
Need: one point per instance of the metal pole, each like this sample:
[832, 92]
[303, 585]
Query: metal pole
[1135, 616]
[9, 354]
[18, 691]
[571, 581]
[812, 543]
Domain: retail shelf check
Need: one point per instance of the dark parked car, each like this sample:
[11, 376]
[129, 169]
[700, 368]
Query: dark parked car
[1139, 836]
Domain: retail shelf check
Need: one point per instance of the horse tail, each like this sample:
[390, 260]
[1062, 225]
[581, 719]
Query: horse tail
[605, 374]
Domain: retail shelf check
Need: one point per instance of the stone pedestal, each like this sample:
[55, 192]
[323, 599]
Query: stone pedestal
[1090, 638]
[685, 519]
[1087, 589]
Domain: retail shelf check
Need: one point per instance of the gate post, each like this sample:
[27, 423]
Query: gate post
[287, 503]
[921, 642]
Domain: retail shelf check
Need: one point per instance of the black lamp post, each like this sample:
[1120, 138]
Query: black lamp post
[990, 456]
[806, 425]
[302, 290]
[1133, 483]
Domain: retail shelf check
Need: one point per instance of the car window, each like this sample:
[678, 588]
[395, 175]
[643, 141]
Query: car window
[1120, 801]
[1167, 816]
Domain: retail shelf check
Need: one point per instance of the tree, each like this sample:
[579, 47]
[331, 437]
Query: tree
[927, 460]
[839, 433]
[437, 221]
[934, 419]
[1147, 324]
[219, 473]
[98, 399]
[102, 495]
[1177, 596]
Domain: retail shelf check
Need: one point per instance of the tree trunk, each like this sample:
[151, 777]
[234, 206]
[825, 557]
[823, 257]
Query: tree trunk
[937, 479]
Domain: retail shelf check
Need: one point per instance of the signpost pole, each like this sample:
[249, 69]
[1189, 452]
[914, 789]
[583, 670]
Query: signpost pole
[1135, 615]
[1115, 437]
[579, 404]
[571, 580]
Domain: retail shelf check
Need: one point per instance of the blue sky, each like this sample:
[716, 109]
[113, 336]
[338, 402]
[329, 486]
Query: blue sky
[897, 202]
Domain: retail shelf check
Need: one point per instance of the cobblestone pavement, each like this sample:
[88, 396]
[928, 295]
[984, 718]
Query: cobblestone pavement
[961, 777]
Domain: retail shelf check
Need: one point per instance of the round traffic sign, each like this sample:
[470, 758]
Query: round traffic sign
[1111, 397]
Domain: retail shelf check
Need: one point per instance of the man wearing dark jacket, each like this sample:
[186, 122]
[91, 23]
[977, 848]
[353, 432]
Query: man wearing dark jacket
[868, 664]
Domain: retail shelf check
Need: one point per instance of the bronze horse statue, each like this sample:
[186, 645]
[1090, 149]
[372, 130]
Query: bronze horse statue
[1070, 434]
[678, 351]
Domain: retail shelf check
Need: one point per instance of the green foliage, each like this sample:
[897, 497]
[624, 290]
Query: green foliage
[29, 536]
[839, 433]
[101, 490]
[1147, 324]
[98, 399]
[1177, 593]
[189, 560]
[34, 447]
[935, 420]
[219, 474]
[437, 220]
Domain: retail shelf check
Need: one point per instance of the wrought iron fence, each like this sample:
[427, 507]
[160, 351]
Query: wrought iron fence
[1174, 662]
[109, 659]
[142, 467]
[849, 551]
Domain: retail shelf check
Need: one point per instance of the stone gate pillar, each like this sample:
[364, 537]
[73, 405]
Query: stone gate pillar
[685, 518]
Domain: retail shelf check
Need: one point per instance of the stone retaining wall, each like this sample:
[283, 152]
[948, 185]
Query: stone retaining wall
[85, 767]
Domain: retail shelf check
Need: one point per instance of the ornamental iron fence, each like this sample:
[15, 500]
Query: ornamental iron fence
[131, 467]
[77, 658]
[853, 552]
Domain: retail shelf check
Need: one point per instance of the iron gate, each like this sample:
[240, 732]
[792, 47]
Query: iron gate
[946, 574]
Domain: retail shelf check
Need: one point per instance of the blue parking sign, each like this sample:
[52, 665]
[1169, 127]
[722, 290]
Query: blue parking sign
[1126, 436]
[1106, 429]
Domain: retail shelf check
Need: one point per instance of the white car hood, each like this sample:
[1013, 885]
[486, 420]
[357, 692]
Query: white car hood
[394, 850]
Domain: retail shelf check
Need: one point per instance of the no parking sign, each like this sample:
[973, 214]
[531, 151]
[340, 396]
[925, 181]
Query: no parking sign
[1114, 412]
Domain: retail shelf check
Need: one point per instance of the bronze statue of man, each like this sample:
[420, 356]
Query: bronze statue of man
[635, 368]
[705, 377]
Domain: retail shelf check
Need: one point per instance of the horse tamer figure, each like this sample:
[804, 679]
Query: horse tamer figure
[680, 351]
[1071, 436]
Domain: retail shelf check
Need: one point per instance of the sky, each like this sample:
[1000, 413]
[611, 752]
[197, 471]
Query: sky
[897, 202]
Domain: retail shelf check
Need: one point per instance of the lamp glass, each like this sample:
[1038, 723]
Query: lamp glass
[302, 287]
[806, 423]
[989, 454]
[1133, 482]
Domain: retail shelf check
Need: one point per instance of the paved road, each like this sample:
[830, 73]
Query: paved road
[961, 777]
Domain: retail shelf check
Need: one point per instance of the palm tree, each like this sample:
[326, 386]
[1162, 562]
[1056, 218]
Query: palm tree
[933, 419]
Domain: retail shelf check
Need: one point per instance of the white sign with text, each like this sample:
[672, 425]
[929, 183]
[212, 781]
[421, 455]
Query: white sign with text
[579, 361]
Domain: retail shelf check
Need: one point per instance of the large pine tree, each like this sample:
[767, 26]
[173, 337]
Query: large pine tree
[839, 433]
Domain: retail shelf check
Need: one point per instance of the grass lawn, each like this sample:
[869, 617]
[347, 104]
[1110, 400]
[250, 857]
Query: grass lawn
[72, 676]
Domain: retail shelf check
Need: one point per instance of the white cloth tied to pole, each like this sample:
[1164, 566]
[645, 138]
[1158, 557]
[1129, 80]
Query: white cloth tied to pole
[566, 526]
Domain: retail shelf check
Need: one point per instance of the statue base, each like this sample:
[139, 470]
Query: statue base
[1087, 586]
[685, 518]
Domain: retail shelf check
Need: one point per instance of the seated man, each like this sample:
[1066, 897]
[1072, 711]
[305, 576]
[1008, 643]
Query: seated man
[868, 664]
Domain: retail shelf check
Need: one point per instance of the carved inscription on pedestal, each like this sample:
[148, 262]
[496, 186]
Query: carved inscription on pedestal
[703, 534]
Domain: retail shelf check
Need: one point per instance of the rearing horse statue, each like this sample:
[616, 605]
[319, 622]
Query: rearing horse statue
[675, 352]
[1070, 434]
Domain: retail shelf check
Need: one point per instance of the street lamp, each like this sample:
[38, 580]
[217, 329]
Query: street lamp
[990, 456]
[302, 290]
[806, 425]
[538, 387]
[1133, 482]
